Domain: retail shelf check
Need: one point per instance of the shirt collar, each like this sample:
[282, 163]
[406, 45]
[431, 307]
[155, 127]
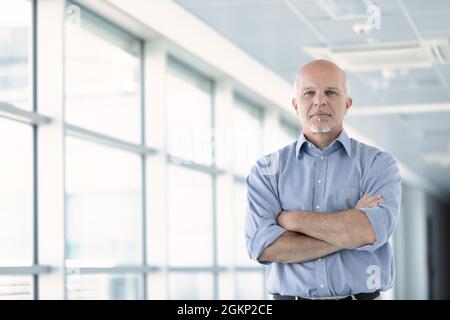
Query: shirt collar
[342, 138]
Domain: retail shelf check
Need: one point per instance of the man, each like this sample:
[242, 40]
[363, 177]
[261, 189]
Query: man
[321, 210]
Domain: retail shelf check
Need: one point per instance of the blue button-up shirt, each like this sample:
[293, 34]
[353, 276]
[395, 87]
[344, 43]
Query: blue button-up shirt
[301, 177]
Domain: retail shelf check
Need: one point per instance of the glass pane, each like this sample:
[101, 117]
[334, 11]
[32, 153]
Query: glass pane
[15, 48]
[104, 210]
[231, 219]
[16, 193]
[226, 286]
[247, 124]
[195, 285]
[102, 77]
[288, 133]
[242, 257]
[16, 287]
[249, 285]
[104, 287]
[190, 217]
[157, 286]
[188, 115]
[241, 285]
[225, 221]
[156, 212]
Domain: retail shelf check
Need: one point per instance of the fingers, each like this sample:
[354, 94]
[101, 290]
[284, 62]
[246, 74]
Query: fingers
[369, 201]
[376, 200]
[366, 198]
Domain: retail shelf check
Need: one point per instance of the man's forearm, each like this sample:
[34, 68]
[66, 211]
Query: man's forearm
[346, 229]
[293, 247]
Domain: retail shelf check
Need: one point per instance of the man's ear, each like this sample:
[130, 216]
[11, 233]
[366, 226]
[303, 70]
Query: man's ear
[348, 104]
[295, 105]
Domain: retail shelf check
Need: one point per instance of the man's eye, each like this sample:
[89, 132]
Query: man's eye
[329, 92]
[308, 93]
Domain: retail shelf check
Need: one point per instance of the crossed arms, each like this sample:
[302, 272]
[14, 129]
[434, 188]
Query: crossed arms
[310, 235]
[273, 235]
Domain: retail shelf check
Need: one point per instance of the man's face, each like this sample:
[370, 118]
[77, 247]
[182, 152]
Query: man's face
[322, 101]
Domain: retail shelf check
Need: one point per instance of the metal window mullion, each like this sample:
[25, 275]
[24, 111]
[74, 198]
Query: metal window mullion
[89, 135]
[214, 199]
[237, 178]
[208, 169]
[137, 269]
[10, 111]
[144, 171]
[155, 72]
[35, 219]
[144, 269]
[49, 96]
[25, 270]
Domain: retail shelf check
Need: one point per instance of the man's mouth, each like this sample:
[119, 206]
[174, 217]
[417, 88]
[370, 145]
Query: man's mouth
[320, 114]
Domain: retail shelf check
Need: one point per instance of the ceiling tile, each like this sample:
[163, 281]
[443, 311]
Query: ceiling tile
[425, 6]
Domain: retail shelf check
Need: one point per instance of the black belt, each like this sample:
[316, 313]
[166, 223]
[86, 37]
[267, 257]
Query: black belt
[358, 296]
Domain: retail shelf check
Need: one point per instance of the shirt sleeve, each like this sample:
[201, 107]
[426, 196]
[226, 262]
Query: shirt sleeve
[263, 206]
[383, 178]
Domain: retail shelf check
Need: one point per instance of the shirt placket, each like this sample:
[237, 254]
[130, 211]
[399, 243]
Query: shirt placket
[318, 196]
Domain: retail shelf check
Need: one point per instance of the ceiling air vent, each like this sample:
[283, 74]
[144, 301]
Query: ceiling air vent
[387, 55]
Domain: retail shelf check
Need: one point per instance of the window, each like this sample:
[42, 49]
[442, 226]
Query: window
[289, 132]
[16, 144]
[16, 194]
[250, 285]
[16, 287]
[188, 105]
[103, 168]
[102, 69]
[231, 225]
[240, 200]
[15, 48]
[157, 286]
[104, 287]
[242, 285]
[190, 217]
[247, 125]
[183, 227]
[193, 285]
[183, 251]
[240, 277]
[103, 187]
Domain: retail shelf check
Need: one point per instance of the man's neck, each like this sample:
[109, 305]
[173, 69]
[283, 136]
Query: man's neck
[322, 140]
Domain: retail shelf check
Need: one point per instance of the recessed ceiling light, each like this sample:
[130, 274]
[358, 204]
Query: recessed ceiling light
[385, 55]
[345, 9]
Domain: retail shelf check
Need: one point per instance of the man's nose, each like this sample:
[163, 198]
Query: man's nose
[319, 99]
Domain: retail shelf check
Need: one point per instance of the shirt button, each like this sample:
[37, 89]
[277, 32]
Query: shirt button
[322, 286]
[321, 157]
[309, 145]
[317, 207]
[319, 181]
[320, 259]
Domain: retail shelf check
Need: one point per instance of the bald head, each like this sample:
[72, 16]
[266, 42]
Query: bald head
[320, 67]
[321, 98]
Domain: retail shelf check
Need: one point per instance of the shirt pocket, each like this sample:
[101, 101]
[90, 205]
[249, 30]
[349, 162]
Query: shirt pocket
[345, 198]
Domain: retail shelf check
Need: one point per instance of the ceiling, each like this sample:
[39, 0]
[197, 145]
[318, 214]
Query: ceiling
[276, 32]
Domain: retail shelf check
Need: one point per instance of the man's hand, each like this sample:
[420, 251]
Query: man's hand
[283, 219]
[369, 201]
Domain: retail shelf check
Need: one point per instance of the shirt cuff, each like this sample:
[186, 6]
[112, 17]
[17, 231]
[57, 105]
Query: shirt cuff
[264, 237]
[378, 218]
